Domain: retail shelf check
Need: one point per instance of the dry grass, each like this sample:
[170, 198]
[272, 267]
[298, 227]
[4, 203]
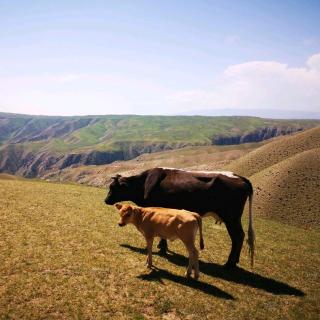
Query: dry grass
[63, 257]
[7, 176]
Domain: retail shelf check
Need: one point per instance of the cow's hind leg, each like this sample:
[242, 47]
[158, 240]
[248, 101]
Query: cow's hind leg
[236, 234]
[163, 246]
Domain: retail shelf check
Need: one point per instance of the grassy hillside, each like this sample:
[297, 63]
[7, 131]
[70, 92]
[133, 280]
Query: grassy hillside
[112, 132]
[32, 146]
[63, 256]
[276, 151]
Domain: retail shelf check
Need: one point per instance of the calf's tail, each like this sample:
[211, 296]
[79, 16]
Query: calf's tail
[199, 219]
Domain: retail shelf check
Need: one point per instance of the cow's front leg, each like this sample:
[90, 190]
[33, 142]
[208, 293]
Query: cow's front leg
[149, 248]
[163, 246]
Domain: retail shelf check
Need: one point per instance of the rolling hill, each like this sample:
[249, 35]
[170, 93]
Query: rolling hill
[33, 145]
[289, 191]
[275, 152]
[286, 178]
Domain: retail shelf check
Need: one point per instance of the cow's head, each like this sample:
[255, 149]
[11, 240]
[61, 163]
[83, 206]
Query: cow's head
[126, 212]
[118, 190]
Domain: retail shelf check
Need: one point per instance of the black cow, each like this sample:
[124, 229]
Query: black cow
[208, 193]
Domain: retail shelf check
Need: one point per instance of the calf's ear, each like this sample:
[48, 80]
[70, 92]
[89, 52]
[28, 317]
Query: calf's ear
[118, 206]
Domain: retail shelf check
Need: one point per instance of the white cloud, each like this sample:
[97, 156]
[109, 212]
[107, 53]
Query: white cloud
[258, 84]
[79, 94]
[314, 62]
[255, 84]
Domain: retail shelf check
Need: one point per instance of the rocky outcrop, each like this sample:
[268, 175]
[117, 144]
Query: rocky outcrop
[255, 136]
[15, 160]
[91, 158]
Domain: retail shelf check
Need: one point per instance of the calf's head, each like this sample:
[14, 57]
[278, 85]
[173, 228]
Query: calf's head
[126, 212]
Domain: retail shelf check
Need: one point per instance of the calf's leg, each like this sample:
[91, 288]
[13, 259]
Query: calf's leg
[193, 259]
[149, 248]
[196, 265]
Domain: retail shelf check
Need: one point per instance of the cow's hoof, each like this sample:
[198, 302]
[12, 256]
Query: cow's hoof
[230, 266]
[162, 252]
[196, 276]
[149, 266]
[188, 275]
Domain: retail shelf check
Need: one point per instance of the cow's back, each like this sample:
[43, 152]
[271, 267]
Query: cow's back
[198, 191]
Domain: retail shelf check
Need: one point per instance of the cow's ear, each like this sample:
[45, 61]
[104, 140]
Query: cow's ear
[118, 206]
[116, 177]
[153, 179]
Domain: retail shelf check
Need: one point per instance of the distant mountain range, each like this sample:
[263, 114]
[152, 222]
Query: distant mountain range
[262, 113]
[33, 145]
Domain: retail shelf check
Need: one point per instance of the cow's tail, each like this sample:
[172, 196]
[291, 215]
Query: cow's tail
[199, 219]
[251, 235]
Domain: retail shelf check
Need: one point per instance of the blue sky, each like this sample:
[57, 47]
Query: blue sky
[158, 57]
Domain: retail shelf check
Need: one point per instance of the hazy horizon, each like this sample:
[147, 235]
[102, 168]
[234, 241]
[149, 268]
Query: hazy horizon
[137, 57]
[260, 113]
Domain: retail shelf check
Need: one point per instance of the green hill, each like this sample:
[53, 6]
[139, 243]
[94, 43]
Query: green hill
[34, 145]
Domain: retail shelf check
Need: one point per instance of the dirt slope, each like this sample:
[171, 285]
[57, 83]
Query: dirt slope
[289, 191]
[276, 151]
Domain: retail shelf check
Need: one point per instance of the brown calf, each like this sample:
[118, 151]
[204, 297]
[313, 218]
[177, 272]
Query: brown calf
[167, 224]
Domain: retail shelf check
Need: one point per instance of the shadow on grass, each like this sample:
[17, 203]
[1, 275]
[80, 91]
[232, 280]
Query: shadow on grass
[157, 274]
[237, 275]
